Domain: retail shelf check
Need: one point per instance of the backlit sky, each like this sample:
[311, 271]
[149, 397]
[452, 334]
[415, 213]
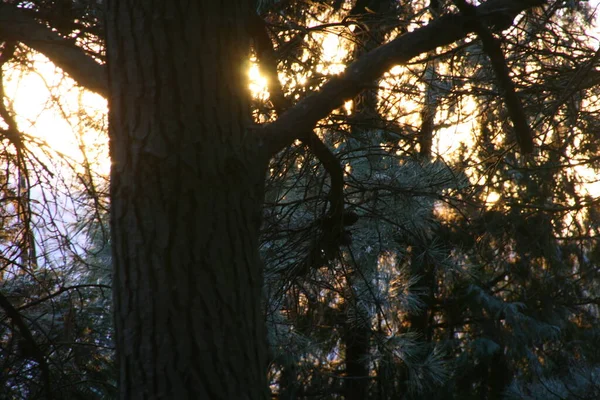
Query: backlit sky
[67, 125]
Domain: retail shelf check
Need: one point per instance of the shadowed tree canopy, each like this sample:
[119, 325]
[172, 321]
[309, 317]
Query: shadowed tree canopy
[390, 270]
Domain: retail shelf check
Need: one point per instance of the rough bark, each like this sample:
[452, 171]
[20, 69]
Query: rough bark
[187, 180]
[497, 14]
[186, 190]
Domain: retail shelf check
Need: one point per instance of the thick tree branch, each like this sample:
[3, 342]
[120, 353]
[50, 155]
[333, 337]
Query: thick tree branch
[268, 61]
[17, 25]
[445, 30]
[332, 226]
[295, 122]
[492, 48]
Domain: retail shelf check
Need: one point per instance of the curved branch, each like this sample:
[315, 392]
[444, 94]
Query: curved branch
[296, 121]
[332, 234]
[17, 25]
[492, 48]
[268, 62]
[443, 31]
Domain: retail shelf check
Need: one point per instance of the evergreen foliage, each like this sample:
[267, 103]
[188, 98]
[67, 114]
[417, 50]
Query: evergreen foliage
[456, 297]
[471, 273]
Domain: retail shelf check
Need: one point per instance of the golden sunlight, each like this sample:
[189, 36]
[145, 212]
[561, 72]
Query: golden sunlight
[492, 198]
[52, 110]
[333, 54]
[258, 83]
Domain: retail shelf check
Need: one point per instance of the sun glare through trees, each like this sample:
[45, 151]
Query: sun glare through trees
[411, 245]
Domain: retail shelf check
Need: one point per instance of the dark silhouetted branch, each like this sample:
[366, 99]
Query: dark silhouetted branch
[492, 48]
[442, 31]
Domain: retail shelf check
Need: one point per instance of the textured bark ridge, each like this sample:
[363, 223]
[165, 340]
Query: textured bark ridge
[187, 178]
[186, 197]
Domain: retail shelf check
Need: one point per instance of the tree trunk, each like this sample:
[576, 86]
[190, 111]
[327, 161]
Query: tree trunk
[186, 189]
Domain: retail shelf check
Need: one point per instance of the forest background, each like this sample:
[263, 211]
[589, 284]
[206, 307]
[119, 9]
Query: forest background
[463, 264]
